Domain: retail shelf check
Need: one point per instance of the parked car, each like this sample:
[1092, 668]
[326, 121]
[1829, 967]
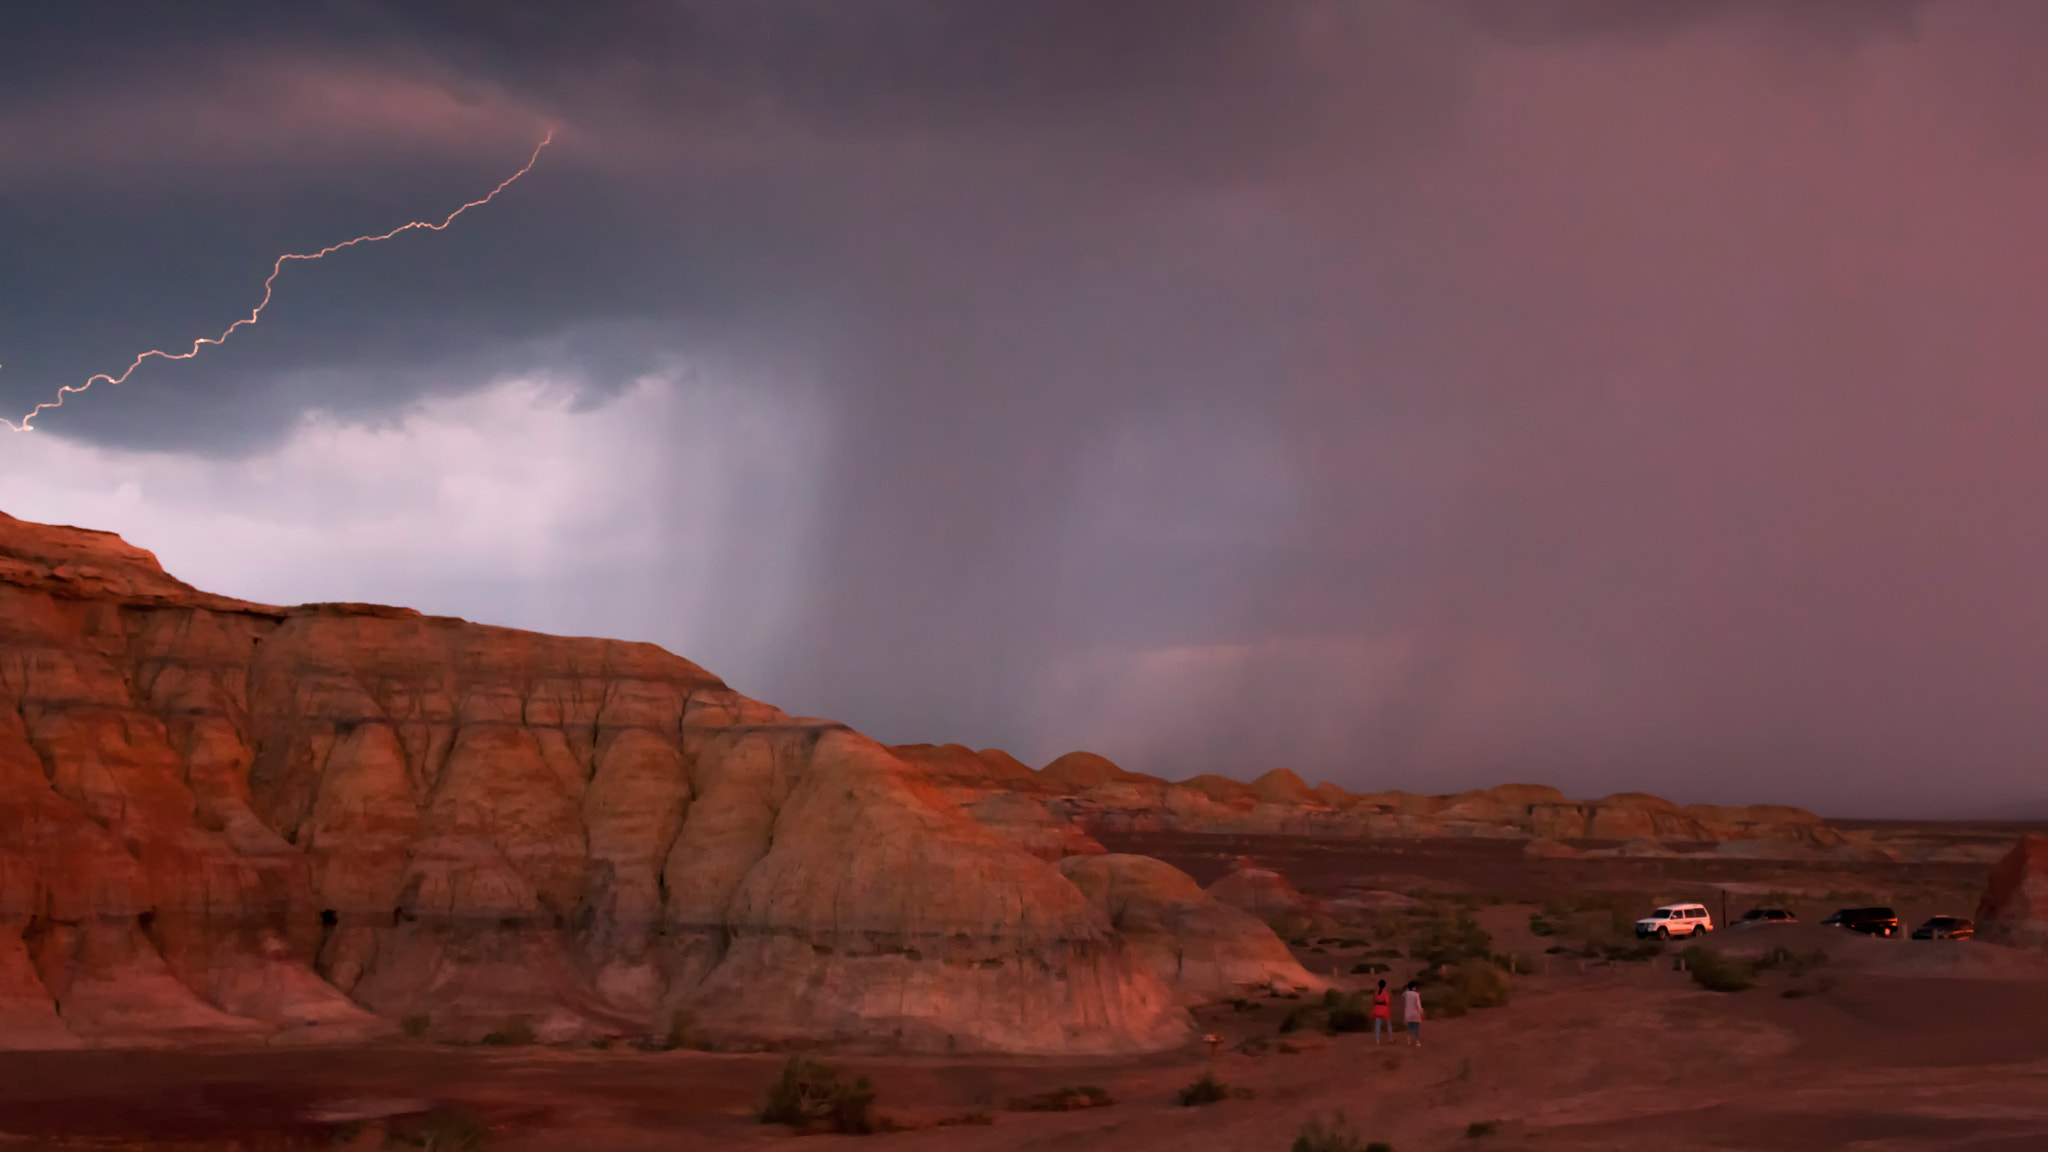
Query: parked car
[1869, 921]
[1676, 920]
[1945, 928]
[1759, 916]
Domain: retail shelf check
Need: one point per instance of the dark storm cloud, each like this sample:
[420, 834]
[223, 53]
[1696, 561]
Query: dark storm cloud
[1413, 394]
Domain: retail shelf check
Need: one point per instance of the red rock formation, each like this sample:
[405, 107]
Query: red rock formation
[1267, 895]
[1202, 948]
[2014, 909]
[227, 819]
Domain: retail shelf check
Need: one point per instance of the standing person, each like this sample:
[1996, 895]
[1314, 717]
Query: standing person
[1382, 1013]
[1411, 1012]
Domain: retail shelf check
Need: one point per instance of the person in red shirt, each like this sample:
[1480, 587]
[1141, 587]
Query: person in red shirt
[1382, 1013]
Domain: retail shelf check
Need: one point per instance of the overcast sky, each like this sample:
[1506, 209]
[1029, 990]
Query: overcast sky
[1412, 393]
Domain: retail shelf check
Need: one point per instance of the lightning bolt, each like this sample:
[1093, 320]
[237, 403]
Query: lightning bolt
[269, 283]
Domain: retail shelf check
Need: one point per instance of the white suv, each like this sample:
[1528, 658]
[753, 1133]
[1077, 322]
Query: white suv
[1676, 920]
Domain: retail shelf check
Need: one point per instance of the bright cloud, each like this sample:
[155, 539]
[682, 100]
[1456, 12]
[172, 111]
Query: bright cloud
[640, 517]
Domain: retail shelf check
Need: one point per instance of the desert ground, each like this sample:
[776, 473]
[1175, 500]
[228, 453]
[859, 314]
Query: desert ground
[1884, 1044]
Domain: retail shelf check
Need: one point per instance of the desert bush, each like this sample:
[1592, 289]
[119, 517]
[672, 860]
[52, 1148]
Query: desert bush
[1481, 983]
[1450, 938]
[1240, 1004]
[682, 1031]
[1333, 1135]
[1063, 1100]
[415, 1027]
[1473, 984]
[1207, 1090]
[1479, 1128]
[1539, 925]
[517, 1033]
[1621, 920]
[810, 1095]
[1352, 1014]
[1715, 972]
[1254, 1046]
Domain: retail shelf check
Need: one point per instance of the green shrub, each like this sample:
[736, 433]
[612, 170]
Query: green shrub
[1621, 920]
[1379, 1146]
[1352, 1014]
[1473, 984]
[1207, 1090]
[517, 1033]
[1481, 983]
[1333, 1135]
[1479, 1128]
[1715, 972]
[1446, 938]
[809, 1095]
[1541, 927]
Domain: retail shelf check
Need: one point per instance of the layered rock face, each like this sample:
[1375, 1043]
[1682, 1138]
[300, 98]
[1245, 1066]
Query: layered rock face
[2014, 909]
[224, 819]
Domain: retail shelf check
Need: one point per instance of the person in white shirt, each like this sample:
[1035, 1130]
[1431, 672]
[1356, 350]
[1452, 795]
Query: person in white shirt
[1411, 1012]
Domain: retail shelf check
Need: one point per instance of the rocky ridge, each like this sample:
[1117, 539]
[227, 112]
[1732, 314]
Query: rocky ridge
[1094, 796]
[226, 820]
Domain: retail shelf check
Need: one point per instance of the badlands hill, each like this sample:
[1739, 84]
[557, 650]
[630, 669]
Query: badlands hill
[223, 820]
[1085, 792]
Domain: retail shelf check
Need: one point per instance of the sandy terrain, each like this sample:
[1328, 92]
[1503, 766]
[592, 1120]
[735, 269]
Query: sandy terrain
[1893, 1045]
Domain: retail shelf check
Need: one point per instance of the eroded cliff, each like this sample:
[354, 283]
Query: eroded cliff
[223, 819]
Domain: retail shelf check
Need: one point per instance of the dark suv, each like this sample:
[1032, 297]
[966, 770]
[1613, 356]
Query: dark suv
[1869, 921]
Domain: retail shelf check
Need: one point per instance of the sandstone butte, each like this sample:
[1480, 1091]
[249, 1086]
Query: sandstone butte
[224, 820]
